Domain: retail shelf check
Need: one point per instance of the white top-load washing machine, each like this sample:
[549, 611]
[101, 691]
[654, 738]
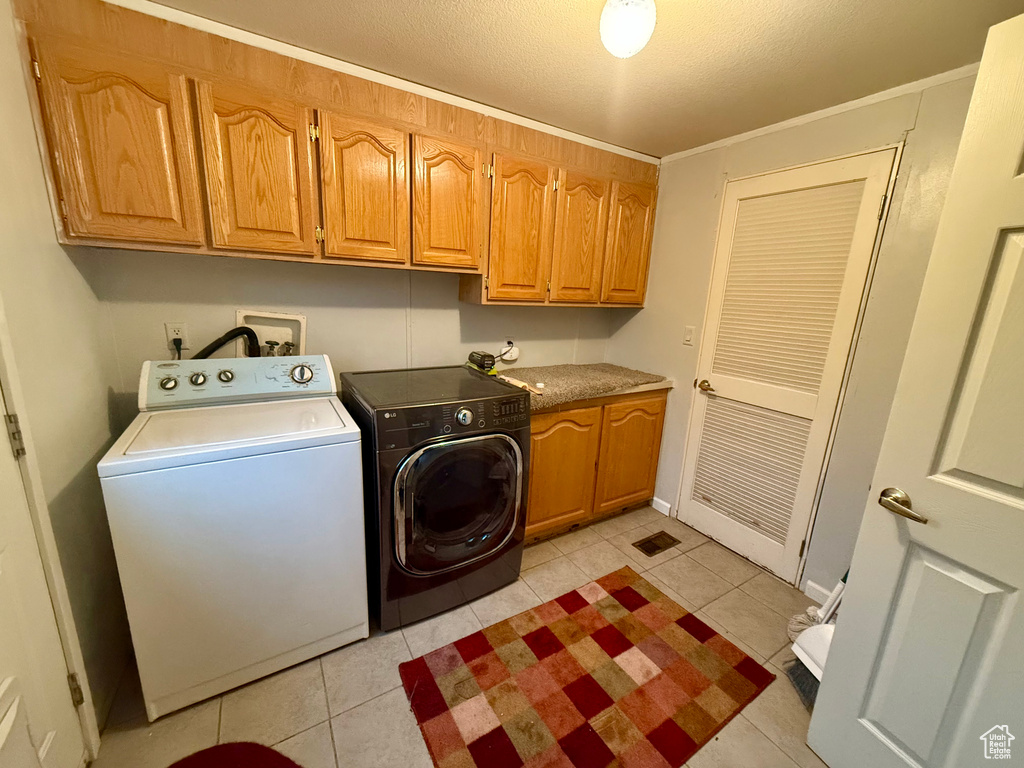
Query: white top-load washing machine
[235, 502]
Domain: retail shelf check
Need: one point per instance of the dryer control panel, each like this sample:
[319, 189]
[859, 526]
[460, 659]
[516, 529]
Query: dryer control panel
[411, 425]
[223, 380]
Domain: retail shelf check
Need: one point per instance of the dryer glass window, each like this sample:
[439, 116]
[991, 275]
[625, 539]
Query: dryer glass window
[456, 502]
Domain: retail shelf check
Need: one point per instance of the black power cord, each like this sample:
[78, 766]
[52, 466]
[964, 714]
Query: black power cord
[177, 347]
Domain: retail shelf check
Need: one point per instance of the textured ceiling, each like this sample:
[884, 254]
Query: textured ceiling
[713, 69]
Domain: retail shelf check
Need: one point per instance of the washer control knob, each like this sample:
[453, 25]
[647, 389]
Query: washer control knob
[197, 379]
[464, 416]
[168, 383]
[227, 376]
[302, 374]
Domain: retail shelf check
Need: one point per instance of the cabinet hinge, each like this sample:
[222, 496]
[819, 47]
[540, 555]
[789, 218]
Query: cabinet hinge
[36, 71]
[803, 546]
[314, 132]
[77, 697]
[63, 207]
[14, 435]
[487, 170]
[549, 286]
[319, 233]
[881, 206]
[487, 283]
[555, 185]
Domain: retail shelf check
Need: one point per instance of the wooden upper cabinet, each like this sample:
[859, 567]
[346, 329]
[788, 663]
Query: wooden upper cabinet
[563, 463]
[630, 444]
[628, 249]
[581, 218]
[258, 158]
[448, 203]
[124, 154]
[522, 218]
[365, 175]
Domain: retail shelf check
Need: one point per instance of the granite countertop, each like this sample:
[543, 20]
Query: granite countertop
[569, 383]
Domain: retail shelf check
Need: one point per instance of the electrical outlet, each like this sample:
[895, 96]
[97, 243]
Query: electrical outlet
[510, 352]
[177, 331]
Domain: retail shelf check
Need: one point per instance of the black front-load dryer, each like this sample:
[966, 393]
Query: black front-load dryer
[445, 462]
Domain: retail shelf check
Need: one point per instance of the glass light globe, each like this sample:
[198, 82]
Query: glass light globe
[627, 25]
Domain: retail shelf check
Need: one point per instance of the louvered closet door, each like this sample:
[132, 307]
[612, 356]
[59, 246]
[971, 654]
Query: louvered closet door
[791, 261]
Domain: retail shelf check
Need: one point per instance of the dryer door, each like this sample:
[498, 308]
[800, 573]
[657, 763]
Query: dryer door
[457, 501]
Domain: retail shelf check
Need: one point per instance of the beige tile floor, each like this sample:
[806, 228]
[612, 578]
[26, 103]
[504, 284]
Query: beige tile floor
[347, 708]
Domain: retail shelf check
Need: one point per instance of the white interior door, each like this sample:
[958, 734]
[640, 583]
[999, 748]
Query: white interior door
[33, 674]
[792, 257]
[927, 665]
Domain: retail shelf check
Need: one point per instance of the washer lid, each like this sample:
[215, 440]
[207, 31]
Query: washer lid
[162, 439]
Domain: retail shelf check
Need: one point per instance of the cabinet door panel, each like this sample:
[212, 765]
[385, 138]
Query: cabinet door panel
[258, 159]
[448, 203]
[563, 462]
[581, 218]
[628, 250]
[121, 132]
[522, 214]
[366, 190]
[630, 443]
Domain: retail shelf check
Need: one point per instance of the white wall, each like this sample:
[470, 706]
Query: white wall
[66, 369]
[688, 211]
[363, 318]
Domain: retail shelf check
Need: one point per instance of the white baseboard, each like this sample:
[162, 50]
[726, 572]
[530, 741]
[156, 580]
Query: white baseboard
[816, 592]
[662, 506]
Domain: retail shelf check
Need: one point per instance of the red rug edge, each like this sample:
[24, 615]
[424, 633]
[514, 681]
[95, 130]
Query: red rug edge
[236, 754]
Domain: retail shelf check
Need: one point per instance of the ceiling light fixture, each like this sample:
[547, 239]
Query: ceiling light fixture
[627, 25]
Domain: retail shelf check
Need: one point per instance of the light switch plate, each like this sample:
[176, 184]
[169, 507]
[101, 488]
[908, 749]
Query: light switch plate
[688, 333]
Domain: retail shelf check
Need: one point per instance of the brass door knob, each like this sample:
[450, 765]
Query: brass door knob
[898, 502]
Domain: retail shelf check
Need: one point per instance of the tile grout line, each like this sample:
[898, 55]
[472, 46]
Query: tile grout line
[363, 703]
[778, 746]
[327, 705]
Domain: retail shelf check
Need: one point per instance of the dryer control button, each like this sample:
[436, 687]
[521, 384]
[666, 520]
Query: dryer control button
[464, 416]
[227, 376]
[168, 383]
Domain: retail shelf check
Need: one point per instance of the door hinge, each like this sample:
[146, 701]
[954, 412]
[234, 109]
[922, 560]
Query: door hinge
[314, 132]
[881, 206]
[14, 434]
[487, 170]
[555, 185]
[549, 286]
[63, 207]
[319, 233]
[803, 546]
[77, 697]
[487, 283]
[37, 71]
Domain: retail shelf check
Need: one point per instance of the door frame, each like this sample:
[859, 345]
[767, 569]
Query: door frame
[858, 324]
[12, 401]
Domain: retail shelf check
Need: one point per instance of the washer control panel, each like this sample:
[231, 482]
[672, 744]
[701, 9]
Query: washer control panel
[219, 381]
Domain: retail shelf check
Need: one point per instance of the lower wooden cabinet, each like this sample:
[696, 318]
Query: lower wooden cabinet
[586, 463]
[563, 458]
[630, 443]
